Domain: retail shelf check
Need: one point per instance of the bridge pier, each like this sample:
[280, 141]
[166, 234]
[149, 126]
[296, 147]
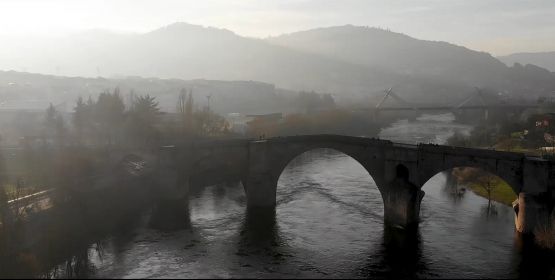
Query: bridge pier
[402, 201]
[171, 193]
[535, 202]
[260, 182]
[171, 214]
[532, 212]
[261, 191]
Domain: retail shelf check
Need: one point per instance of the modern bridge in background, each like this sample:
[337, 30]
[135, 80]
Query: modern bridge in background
[404, 105]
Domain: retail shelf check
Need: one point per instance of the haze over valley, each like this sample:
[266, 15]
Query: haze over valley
[346, 61]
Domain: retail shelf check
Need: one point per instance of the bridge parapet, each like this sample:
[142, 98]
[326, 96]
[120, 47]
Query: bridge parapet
[221, 143]
[355, 140]
[481, 153]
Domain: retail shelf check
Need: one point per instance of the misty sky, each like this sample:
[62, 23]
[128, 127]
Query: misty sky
[496, 26]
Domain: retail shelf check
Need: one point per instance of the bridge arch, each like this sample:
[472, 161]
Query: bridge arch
[361, 154]
[508, 173]
[474, 174]
[287, 160]
[268, 159]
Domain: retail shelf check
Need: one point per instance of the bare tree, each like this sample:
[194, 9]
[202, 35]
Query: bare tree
[185, 111]
[488, 182]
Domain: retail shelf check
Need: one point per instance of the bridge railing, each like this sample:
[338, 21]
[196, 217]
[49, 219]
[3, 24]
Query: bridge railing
[359, 140]
[405, 145]
[472, 151]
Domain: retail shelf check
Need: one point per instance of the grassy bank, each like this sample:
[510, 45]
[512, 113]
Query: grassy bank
[480, 181]
[501, 193]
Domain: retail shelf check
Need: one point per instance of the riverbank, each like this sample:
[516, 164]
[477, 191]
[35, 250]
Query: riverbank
[479, 182]
[501, 192]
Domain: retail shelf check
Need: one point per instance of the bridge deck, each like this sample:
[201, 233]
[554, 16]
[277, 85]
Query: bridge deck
[365, 141]
[448, 108]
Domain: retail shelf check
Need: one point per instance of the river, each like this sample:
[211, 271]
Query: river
[328, 223]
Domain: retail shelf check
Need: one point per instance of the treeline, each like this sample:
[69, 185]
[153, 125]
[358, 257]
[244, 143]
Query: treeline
[60, 150]
[81, 160]
[107, 121]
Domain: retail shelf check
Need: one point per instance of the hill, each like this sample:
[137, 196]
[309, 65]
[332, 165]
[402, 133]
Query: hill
[187, 51]
[430, 61]
[347, 61]
[542, 59]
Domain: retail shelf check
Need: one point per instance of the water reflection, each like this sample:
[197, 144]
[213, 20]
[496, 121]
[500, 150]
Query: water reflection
[80, 259]
[531, 262]
[490, 209]
[78, 265]
[259, 233]
[171, 214]
[399, 256]
[453, 189]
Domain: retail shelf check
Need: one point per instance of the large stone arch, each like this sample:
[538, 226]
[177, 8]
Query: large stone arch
[268, 159]
[368, 157]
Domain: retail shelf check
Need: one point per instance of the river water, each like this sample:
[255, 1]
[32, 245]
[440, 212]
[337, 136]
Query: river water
[328, 223]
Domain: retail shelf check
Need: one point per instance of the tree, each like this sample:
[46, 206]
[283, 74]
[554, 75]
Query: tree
[207, 123]
[189, 105]
[144, 118]
[109, 115]
[54, 126]
[311, 101]
[84, 119]
[131, 96]
[488, 182]
[80, 117]
[50, 119]
[146, 108]
[185, 111]
[181, 100]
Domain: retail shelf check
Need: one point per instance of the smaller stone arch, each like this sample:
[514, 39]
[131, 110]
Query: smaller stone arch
[488, 172]
[512, 174]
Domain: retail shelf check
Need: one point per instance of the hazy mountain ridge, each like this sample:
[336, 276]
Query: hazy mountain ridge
[542, 59]
[192, 52]
[346, 61]
[403, 54]
[383, 48]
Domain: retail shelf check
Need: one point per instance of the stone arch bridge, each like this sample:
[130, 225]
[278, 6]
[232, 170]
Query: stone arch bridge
[399, 171]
